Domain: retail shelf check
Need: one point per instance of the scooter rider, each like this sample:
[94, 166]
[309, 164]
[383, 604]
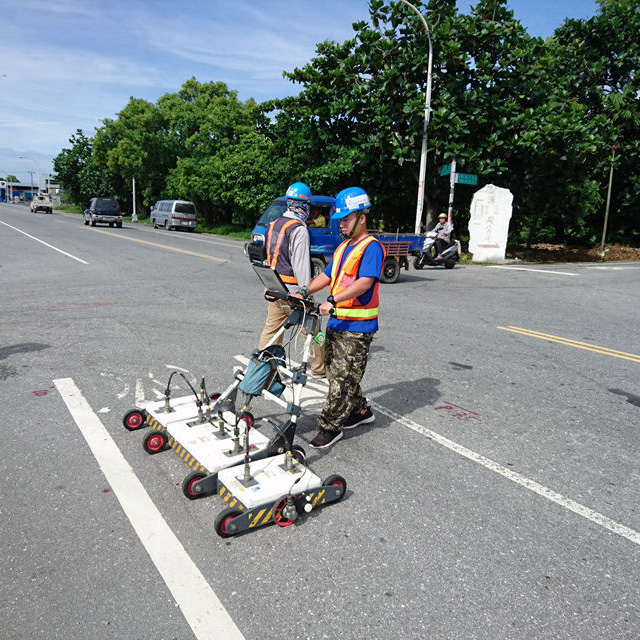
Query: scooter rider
[287, 245]
[354, 278]
[443, 229]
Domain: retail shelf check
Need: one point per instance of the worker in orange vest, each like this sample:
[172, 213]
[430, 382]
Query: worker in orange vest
[353, 277]
[287, 245]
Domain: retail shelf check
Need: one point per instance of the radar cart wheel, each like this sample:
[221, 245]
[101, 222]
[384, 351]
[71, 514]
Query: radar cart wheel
[134, 419]
[224, 523]
[154, 442]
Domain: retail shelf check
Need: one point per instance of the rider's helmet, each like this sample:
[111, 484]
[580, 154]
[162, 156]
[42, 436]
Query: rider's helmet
[350, 200]
[299, 191]
[442, 215]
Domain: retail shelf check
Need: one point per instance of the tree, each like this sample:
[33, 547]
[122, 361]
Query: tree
[211, 129]
[81, 177]
[601, 57]
[359, 116]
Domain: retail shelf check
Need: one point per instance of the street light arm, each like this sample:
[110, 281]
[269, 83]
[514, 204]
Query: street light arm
[427, 113]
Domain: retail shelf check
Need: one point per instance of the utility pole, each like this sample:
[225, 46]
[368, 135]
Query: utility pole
[134, 216]
[452, 185]
[425, 127]
[37, 167]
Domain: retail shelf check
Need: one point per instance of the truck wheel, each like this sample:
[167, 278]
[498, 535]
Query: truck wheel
[86, 222]
[390, 271]
[167, 226]
[317, 267]
[153, 222]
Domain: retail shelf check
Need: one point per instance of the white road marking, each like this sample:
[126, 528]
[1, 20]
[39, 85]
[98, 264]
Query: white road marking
[615, 268]
[44, 243]
[124, 392]
[523, 481]
[198, 603]
[138, 398]
[153, 379]
[559, 273]
[172, 366]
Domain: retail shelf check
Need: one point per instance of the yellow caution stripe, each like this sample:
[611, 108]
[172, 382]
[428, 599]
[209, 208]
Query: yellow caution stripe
[229, 499]
[314, 501]
[178, 448]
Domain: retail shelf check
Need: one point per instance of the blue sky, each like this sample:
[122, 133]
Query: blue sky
[67, 64]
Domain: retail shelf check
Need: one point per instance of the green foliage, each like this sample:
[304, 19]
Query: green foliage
[233, 230]
[80, 176]
[601, 58]
[541, 118]
[70, 208]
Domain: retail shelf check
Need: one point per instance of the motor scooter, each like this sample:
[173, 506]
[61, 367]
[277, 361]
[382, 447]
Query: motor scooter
[428, 258]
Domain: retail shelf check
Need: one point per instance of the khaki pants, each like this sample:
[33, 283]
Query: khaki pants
[277, 313]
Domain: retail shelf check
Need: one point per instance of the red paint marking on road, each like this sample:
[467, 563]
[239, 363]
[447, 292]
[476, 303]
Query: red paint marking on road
[106, 491]
[42, 392]
[106, 304]
[460, 413]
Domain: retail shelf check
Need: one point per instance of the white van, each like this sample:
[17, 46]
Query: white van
[174, 214]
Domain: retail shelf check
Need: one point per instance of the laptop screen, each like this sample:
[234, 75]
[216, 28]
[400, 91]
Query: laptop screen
[270, 278]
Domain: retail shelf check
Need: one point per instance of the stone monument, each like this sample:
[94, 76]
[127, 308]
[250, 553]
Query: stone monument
[491, 209]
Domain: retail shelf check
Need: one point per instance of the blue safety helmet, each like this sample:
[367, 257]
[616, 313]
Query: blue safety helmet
[349, 200]
[299, 191]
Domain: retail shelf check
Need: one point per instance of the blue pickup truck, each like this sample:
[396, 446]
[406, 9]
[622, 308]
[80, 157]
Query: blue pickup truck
[324, 240]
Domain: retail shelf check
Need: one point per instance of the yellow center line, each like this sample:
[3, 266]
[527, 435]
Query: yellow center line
[605, 351]
[160, 246]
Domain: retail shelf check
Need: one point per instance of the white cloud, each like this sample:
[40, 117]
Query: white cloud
[71, 63]
[77, 7]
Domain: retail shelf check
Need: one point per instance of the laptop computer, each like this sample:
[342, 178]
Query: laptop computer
[270, 279]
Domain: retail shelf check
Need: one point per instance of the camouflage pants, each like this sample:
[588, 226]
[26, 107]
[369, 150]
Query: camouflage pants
[345, 358]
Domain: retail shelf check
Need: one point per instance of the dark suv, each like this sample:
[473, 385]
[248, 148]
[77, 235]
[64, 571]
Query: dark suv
[103, 210]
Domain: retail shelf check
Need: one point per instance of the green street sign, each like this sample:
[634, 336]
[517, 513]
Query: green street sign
[445, 170]
[466, 178]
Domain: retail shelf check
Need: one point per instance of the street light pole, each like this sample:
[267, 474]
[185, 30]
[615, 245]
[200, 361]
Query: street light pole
[37, 167]
[427, 113]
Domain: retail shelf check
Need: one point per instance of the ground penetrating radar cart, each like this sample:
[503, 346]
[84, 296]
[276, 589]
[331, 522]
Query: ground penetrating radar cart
[260, 479]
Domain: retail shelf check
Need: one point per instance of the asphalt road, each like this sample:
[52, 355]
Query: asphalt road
[495, 496]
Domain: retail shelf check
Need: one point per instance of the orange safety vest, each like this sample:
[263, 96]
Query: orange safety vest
[279, 231]
[342, 277]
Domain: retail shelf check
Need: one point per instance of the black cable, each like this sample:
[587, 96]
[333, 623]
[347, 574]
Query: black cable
[198, 401]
